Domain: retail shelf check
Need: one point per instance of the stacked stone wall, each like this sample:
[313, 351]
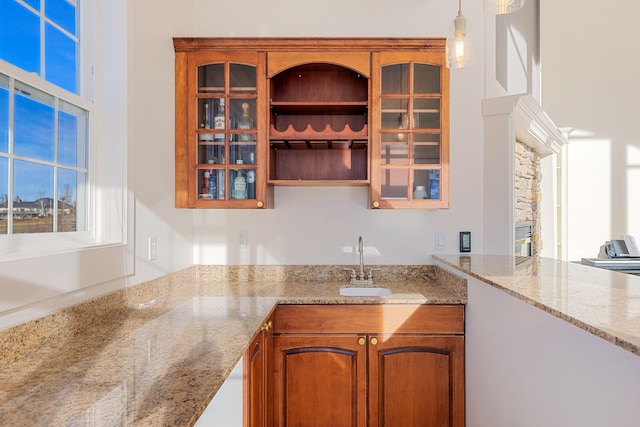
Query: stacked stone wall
[528, 196]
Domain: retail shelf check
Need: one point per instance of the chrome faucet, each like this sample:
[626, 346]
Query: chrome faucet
[360, 278]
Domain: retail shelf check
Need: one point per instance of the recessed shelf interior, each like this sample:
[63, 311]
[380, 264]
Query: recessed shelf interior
[318, 124]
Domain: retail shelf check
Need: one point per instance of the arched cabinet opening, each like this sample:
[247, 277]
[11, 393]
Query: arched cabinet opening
[318, 127]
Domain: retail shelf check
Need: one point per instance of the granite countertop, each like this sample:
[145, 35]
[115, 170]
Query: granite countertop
[155, 354]
[602, 302]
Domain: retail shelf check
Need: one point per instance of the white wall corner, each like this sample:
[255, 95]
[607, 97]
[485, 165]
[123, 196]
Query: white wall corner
[493, 88]
[499, 170]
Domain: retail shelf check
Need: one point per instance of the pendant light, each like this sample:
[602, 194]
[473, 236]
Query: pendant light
[507, 6]
[458, 50]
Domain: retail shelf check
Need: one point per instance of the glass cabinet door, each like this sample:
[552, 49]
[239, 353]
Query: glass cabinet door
[412, 139]
[226, 128]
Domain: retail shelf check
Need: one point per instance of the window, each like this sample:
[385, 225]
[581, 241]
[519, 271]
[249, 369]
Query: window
[40, 36]
[43, 122]
[86, 144]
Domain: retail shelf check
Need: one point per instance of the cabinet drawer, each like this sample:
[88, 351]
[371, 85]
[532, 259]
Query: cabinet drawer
[345, 319]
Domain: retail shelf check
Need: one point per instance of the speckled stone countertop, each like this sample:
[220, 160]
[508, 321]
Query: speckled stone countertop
[602, 302]
[155, 354]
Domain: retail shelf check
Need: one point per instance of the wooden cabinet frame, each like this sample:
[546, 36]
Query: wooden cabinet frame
[346, 152]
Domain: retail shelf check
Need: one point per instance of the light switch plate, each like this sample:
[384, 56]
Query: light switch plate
[153, 249]
[243, 239]
[440, 240]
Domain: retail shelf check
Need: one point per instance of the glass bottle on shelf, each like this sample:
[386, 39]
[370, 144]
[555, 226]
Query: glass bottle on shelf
[204, 187]
[239, 190]
[245, 122]
[251, 184]
[205, 123]
[220, 182]
[434, 184]
[213, 188]
[420, 192]
[218, 121]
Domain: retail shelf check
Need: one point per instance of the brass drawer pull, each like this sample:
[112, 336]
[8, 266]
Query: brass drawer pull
[267, 326]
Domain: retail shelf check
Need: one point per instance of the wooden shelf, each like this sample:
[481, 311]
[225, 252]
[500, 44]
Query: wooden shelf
[310, 134]
[220, 89]
[318, 166]
[415, 110]
[317, 182]
[319, 107]
[319, 145]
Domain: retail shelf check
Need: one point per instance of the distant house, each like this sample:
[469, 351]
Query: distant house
[39, 208]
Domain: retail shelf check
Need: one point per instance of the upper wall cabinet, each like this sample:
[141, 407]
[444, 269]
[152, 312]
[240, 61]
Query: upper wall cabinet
[220, 158]
[410, 144]
[255, 113]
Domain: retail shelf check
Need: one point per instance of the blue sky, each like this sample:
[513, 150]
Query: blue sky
[20, 43]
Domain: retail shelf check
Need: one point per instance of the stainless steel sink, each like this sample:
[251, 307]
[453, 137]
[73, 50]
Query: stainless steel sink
[368, 291]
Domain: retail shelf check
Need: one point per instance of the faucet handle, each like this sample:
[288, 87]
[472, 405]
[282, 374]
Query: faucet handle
[353, 272]
[370, 276]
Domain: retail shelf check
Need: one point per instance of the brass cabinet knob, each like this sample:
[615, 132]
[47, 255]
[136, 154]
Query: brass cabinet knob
[376, 204]
[259, 204]
[361, 341]
[374, 341]
[266, 326]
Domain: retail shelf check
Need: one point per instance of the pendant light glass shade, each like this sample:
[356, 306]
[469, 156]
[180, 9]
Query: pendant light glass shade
[458, 49]
[507, 6]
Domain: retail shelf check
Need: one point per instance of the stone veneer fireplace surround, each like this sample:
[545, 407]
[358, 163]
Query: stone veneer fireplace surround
[520, 141]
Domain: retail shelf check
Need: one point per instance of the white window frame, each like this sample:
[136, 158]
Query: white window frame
[49, 271]
[12, 243]
[19, 246]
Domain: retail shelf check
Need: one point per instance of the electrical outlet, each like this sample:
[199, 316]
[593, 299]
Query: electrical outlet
[440, 240]
[153, 249]
[243, 239]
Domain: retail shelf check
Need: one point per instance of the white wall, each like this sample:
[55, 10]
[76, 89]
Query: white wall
[151, 138]
[517, 64]
[527, 368]
[590, 71]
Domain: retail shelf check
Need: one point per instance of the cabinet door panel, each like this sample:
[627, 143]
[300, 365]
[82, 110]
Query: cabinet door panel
[319, 381]
[416, 380]
[409, 131]
[254, 384]
[220, 129]
[258, 364]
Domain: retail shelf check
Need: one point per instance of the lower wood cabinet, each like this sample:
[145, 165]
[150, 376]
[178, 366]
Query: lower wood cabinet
[416, 381]
[319, 381]
[339, 365]
[257, 379]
